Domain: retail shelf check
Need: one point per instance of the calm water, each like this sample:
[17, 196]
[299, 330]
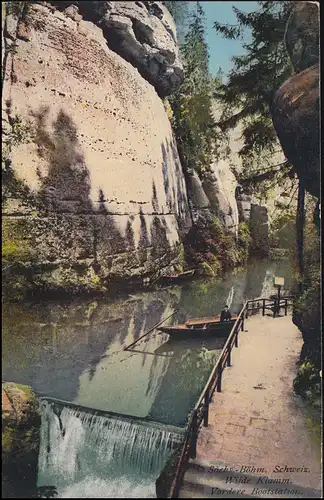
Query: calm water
[74, 350]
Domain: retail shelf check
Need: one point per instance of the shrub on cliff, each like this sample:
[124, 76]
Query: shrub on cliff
[244, 241]
[210, 247]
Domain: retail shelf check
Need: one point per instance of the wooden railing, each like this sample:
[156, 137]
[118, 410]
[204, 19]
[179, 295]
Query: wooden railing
[200, 412]
[274, 305]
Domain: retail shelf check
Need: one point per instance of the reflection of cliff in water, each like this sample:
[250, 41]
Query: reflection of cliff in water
[74, 351]
[49, 346]
[187, 373]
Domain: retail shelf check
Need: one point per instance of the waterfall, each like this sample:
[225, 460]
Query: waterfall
[89, 456]
[267, 285]
[229, 299]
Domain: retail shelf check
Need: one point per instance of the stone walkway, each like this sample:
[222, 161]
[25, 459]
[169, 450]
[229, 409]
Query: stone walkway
[257, 422]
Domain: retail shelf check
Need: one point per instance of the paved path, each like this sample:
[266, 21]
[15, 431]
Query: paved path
[257, 422]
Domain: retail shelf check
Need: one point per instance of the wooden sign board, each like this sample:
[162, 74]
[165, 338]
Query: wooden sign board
[279, 281]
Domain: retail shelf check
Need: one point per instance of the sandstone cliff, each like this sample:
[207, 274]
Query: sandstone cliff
[94, 188]
[295, 115]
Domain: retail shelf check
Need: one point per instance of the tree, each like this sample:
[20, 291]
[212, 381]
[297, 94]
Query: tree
[251, 83]
[193, 121]
[180, 12]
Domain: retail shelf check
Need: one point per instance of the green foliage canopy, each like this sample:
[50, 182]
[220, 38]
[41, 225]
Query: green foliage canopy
[246, 96]
[193, 121]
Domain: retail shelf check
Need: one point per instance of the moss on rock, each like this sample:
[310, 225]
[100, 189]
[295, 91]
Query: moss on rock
[20, 438]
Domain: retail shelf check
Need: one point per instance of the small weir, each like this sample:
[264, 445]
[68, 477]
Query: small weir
[86, 454]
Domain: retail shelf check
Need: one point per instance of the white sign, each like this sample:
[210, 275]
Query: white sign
[279, 281]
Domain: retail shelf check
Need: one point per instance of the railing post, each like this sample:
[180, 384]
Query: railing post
[236, 339]
[229, 356]
[219, 379]
[263, 307]
[194, 436]
[206, 408]
[286, 307]
[242, 324]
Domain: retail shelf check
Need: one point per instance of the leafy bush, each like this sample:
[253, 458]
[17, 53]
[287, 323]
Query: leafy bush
[16, 247]
[209, 242]
[244, 241]
[308, 382]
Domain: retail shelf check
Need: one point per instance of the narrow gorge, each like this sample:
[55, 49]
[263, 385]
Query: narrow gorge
[94, 192]
[143, 188]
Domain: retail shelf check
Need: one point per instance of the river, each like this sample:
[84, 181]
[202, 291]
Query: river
[74, 351]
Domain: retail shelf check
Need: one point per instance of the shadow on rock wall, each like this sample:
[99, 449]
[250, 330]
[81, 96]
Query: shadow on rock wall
[79, 233]
[175, 197]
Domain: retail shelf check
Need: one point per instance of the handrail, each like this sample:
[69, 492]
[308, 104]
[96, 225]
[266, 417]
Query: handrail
[180, 463]
[213, 377]
[225, 347]
[207, 394]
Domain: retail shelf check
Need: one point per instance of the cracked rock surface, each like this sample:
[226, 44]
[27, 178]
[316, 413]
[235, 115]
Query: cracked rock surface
[143, 33]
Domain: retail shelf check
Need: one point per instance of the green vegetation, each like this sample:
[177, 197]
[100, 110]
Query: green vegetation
[16, 245]
[26, 390]
[307, 313]
[191, 104]
[308, 383]
[244, 241]
[255, 76]
[20, 436]
[20, 131]
[213, 249]
[14, 8]
[208, 245]
[179, 10]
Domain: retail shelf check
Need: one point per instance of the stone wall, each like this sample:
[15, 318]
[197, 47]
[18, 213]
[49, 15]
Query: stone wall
[94, 187]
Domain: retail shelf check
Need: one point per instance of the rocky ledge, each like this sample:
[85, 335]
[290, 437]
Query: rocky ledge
[142, 33]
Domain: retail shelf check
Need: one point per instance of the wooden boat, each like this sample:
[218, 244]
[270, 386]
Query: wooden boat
[200, 327]
[174, 278]
[176, 344]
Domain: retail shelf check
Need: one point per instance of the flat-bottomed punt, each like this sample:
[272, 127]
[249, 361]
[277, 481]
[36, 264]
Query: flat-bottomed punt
[175, 278]
[200, 327]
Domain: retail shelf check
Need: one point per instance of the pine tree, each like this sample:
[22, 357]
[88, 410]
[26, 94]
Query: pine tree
[193, 121]
[179, 10]
[255, 76]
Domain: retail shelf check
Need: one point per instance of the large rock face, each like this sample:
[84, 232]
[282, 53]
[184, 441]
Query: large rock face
[295, 115]
[219, 185]
[302, 35]
[94, 187]
[143, 33]
[295, 106]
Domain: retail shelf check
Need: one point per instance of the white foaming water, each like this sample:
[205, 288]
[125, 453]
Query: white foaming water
[92, 487]
[267, 285]
[88, 456]
[229, 299]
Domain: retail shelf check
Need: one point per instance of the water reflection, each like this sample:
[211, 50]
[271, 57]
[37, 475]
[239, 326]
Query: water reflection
[74, 351]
